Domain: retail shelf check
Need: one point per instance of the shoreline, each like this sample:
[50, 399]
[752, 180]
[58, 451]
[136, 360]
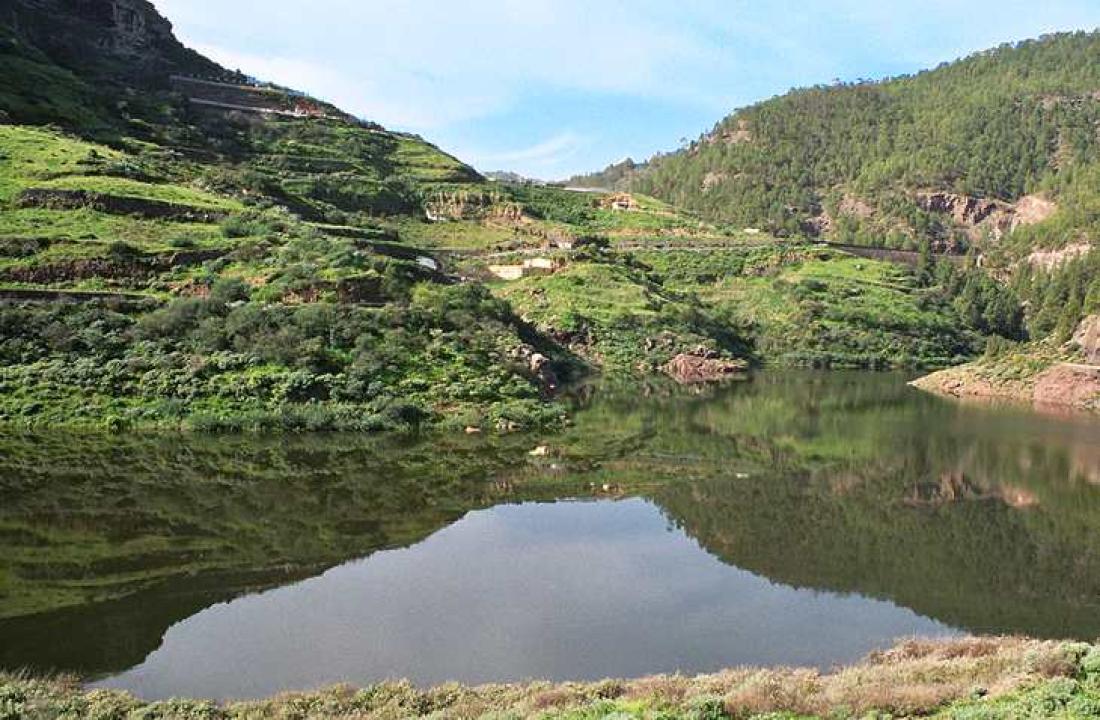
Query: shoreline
[974, 676]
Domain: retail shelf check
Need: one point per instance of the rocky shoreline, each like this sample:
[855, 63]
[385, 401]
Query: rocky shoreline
[1067, 377]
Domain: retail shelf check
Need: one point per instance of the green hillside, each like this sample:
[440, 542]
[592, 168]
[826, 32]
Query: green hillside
[181, 245]
[999, 125]
[168, 258]
[996, 156]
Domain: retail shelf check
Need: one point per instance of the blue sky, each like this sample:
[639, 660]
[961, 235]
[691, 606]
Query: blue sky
[549, 88]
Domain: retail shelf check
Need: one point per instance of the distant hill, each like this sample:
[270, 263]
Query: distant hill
[618, 176]
[506, 176]
[945, 155]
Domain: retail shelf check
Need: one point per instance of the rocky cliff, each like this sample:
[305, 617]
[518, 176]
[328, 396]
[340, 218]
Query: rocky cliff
[119, 39]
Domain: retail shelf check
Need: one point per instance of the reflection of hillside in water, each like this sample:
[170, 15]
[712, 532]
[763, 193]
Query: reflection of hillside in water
[978, 517]
[109, 540]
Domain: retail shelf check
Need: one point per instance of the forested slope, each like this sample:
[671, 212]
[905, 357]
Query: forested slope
[995, 157]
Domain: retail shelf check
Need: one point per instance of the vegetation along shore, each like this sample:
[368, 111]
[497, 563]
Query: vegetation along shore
[986, 678]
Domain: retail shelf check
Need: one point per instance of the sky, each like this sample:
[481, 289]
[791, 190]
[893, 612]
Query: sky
[550, 88]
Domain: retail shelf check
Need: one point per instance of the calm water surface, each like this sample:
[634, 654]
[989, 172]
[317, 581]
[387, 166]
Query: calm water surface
[801, 518]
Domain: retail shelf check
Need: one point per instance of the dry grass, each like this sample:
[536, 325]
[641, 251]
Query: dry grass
[915, 678]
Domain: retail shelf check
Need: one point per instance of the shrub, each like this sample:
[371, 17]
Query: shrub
[119, 250]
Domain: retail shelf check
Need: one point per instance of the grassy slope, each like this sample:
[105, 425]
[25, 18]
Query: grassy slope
[276, 253]
[806, 305]
[780, 303]
[278, 316]
[988, 679]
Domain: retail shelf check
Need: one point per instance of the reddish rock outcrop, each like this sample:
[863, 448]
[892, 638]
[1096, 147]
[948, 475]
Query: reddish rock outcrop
[1064, 385]
[985, 215]
[1070, 385]
[702, 366]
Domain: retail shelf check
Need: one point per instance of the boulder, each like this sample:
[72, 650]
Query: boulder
[543, 371]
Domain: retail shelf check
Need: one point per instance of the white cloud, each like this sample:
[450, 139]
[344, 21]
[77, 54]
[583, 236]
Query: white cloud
[549, 150]
[545, 159]
[398, 100]
[433, 63]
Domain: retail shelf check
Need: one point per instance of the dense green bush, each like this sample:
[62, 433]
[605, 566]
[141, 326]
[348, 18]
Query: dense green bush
[223, 361]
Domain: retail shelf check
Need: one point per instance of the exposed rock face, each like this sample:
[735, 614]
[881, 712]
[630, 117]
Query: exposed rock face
[735, 135]
[1064, 385]
[473, 205]
[1031, 210]
[619, 201]
[56, 199]
[1087, 339]
[1069, 385]
[1051, 259]
[963, 382]
[978, 214]
[121, 38]
[700, 366]
[983, 215]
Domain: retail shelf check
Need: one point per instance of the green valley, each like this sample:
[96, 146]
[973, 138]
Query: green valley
[216, 253]
[292, 398]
